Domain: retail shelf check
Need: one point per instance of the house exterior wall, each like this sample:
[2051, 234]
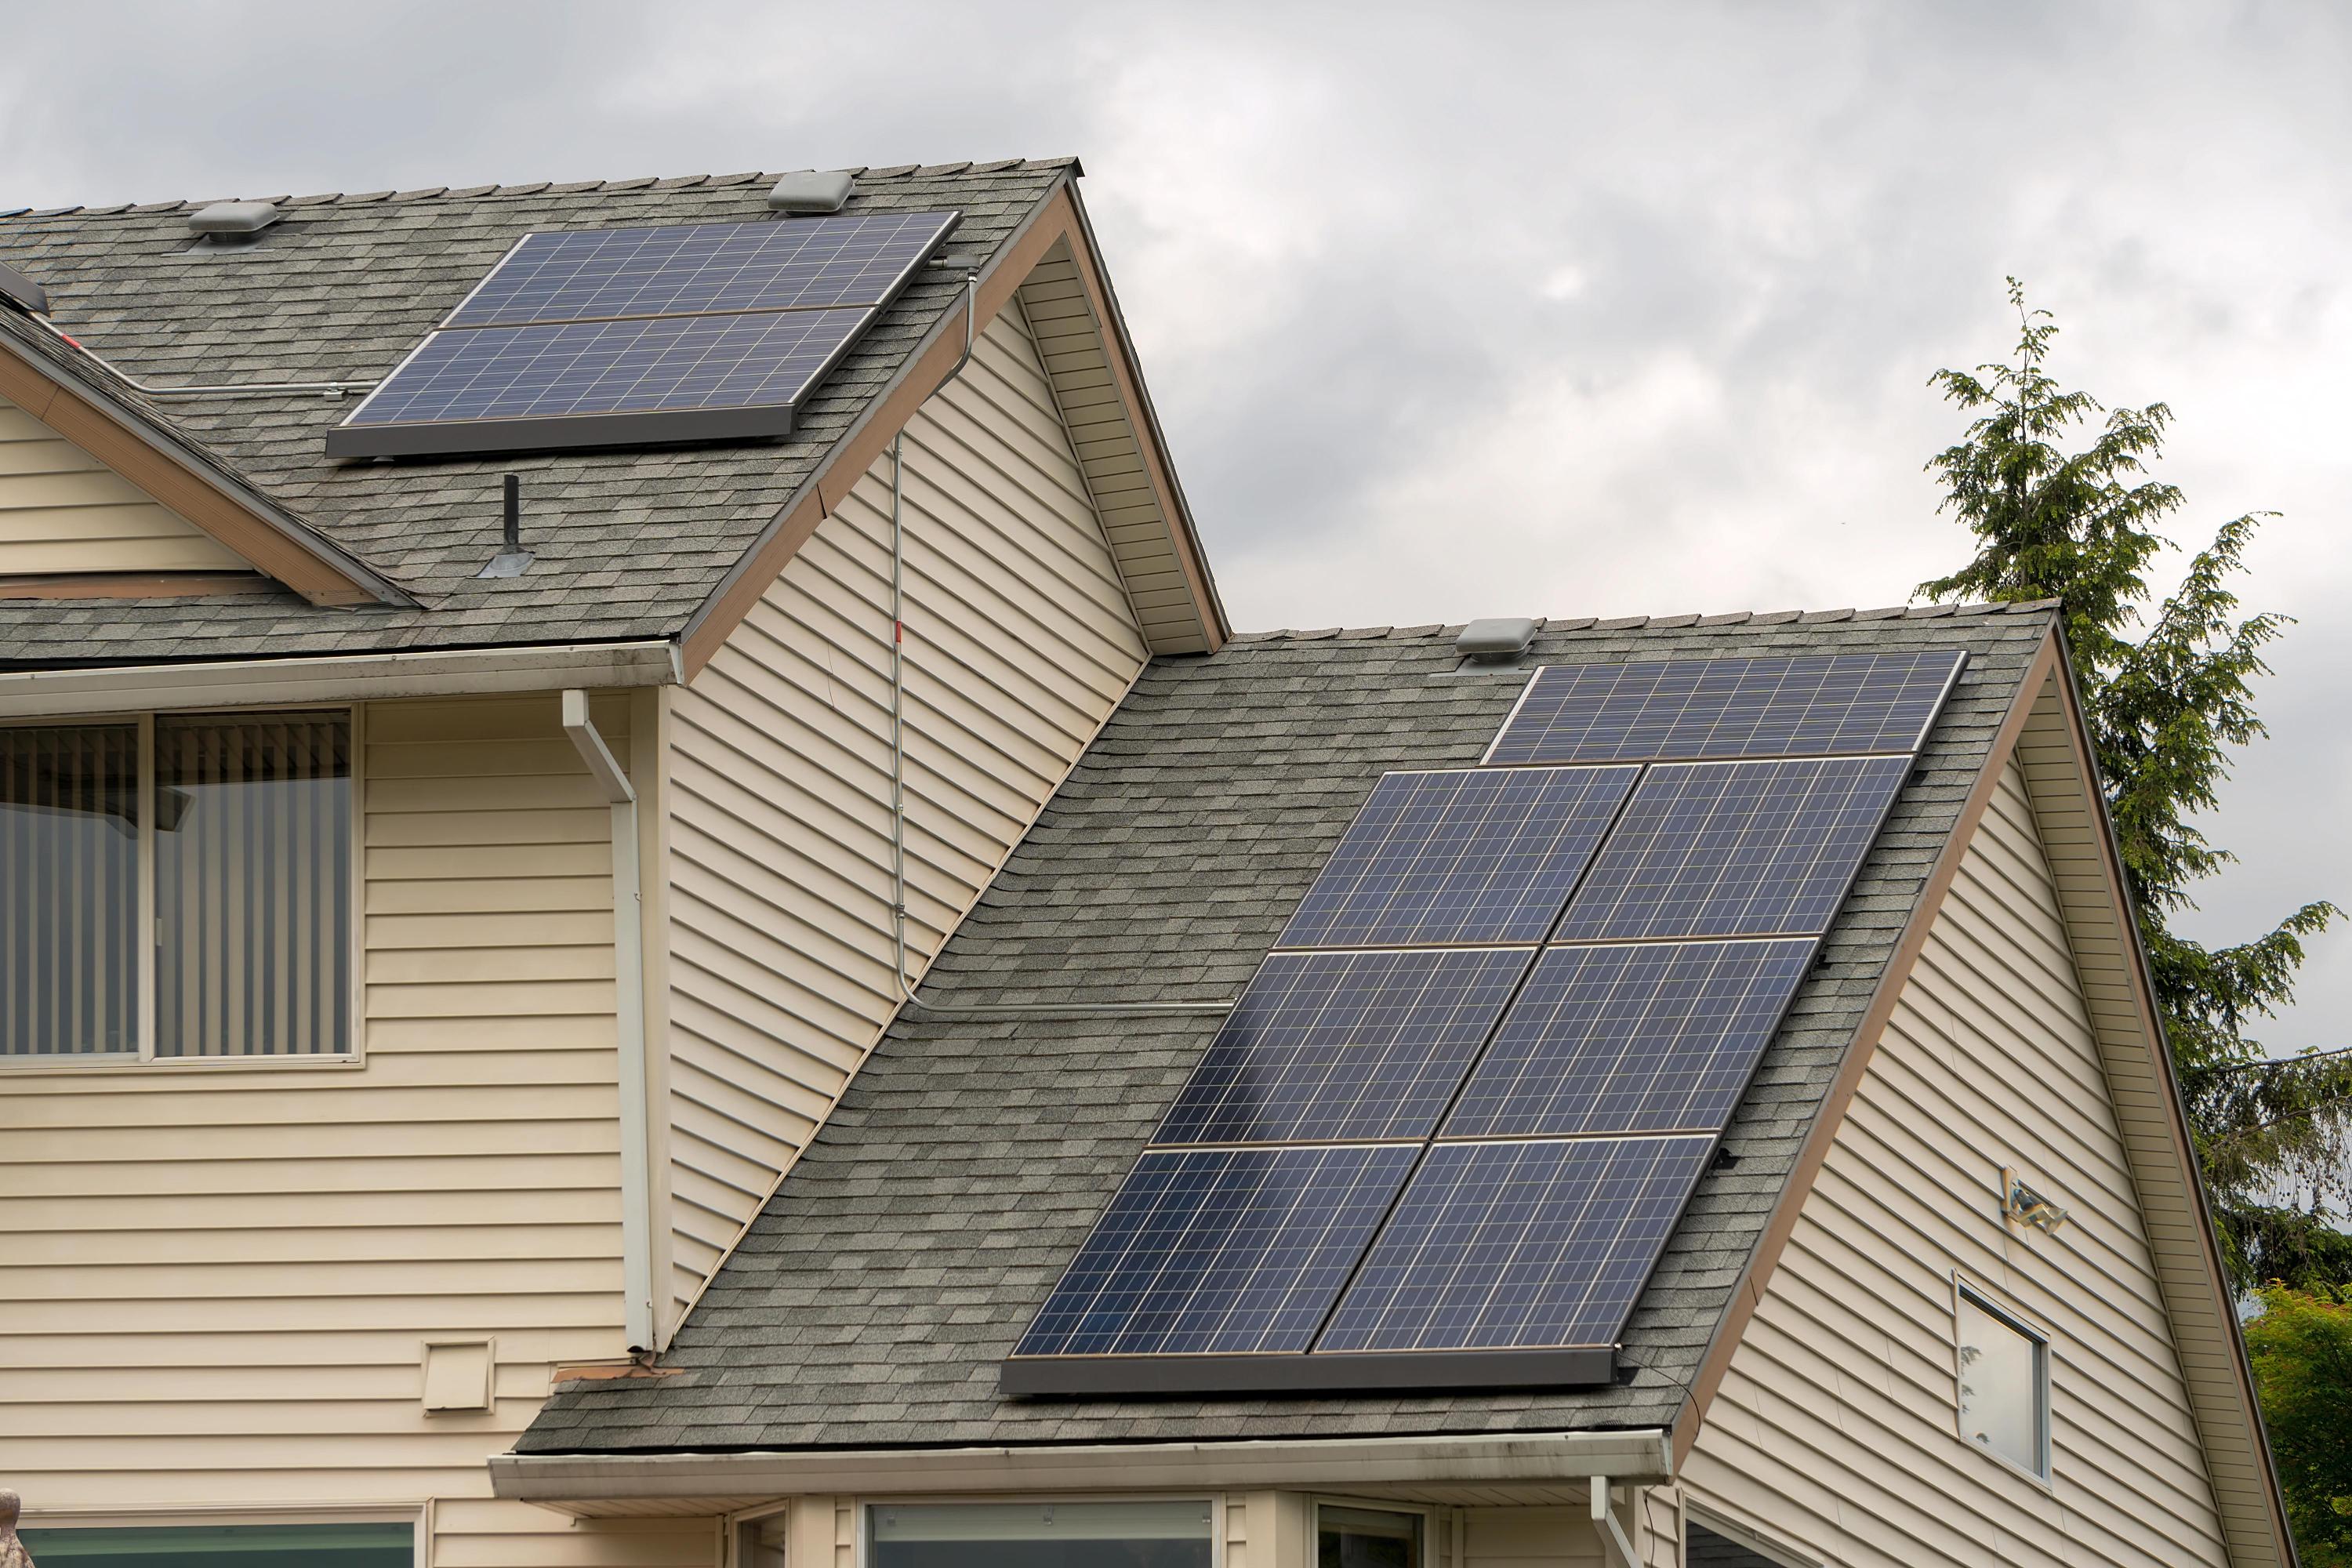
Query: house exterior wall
[218, 1277]
[61, 511]
[1019, 640]
[1835, 1428]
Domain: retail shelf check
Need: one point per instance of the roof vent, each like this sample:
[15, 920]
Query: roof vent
[21, 290]
[514, 560]
[811, 192]
[233, 220]
[1495, 639]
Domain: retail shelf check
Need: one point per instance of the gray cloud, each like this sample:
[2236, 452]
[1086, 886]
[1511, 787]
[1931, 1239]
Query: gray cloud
[1479, 309]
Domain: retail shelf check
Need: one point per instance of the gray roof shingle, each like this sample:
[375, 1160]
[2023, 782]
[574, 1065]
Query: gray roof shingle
[871, 1303]
[629, 542]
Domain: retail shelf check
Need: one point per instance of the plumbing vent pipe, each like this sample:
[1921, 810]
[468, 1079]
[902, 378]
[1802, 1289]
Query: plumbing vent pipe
[811, 192]
[514, 560]
[233, 220]
[1495, 639]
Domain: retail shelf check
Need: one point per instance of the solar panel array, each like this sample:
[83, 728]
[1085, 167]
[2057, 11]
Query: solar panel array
[635, 335]
[1462, 1105]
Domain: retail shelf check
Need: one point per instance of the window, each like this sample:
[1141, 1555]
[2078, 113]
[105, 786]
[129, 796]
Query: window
[1366, 1538]
[227, 1546]
[1040, 1535]
[2004, 1375]
[227, 839]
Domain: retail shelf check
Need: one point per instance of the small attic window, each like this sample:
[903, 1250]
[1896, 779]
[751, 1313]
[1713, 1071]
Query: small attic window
[2004, 1384]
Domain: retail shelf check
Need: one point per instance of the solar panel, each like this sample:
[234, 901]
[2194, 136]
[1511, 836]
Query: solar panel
[608, 337]
[1220, 1251]
[1518, 1245]
[1345, 1044]
[1463, 856]
[565, 371]
[1633, 1037]
[1681, 709]
[847, 260]
[1735, 850]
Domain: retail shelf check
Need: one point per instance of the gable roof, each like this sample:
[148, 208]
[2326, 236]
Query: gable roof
[872, 1302]
[631, 543]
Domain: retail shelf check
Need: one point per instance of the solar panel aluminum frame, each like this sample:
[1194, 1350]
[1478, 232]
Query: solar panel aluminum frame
[560, 432]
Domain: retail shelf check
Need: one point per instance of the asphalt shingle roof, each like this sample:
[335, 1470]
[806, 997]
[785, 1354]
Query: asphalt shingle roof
[871, 1303]
[629, 542]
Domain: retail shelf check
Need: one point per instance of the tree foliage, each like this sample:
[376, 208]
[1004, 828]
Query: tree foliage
[2167, 692]
[2302, 1352]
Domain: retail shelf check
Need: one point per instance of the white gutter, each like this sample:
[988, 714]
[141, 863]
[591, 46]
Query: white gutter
[273, 682]
[629, 1021]
[1547, 1460]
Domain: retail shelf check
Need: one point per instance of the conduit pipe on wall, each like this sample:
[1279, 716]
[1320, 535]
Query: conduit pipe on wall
[907, 987]
[629, 1021]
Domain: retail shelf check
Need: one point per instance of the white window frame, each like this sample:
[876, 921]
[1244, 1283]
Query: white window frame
[418, 1516]
[1431, 1550]
[1996, 1304]
[354, 1052]
[865, 1505]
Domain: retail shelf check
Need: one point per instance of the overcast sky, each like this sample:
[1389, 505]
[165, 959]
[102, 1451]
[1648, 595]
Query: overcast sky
[1456, 309]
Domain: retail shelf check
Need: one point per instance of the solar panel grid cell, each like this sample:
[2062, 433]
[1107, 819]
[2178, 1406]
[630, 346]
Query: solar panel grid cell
[613, 367]
[1474, 855]
[849, 260]
[1345, 1044]
[1686, 709]
[1515, 1246]
[1638, 1037]
[1220, 1251]
[1735, 850]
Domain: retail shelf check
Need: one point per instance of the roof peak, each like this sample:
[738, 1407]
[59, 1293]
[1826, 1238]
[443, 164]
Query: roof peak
[1661, 623]
[557, 187]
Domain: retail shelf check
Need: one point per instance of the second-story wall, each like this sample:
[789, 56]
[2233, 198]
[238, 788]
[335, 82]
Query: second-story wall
[1836, 1427]
[1020, 638]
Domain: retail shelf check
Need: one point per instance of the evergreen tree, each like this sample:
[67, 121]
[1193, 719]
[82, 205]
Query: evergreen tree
[2302, 1349]
[2167, 697]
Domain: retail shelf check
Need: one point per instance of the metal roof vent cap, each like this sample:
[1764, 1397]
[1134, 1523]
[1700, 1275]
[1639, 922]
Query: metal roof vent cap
[234, 220]
[809, 191]
[1495, 639]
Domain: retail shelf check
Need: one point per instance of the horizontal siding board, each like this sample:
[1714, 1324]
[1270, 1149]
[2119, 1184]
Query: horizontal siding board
[1018, 641]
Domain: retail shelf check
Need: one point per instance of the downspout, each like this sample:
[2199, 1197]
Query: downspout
[1614, 1545]
[899, 770]
[629, 1022]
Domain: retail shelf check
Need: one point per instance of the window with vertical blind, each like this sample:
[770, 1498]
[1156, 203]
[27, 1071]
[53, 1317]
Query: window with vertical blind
[176, 887]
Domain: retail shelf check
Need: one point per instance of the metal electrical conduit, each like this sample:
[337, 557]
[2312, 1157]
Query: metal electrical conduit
[907, 987]
[253, 389]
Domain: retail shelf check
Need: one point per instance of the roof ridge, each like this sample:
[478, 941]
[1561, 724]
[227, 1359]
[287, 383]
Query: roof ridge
[1661, 623]
[535, 188]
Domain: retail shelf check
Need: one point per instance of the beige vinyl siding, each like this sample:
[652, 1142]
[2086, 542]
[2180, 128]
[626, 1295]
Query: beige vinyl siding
[217, 1277]
[1835, 1426]
[1018, 643]
[63, 510]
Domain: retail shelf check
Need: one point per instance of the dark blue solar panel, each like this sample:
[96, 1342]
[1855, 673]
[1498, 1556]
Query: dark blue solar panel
[613, 367]
[847, 260]
[1637, 1038]
[1482, 855]
[1727, 708]
[1211, 1251]
[1518, 1246]
[1735, 850]
[1345, 1044]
